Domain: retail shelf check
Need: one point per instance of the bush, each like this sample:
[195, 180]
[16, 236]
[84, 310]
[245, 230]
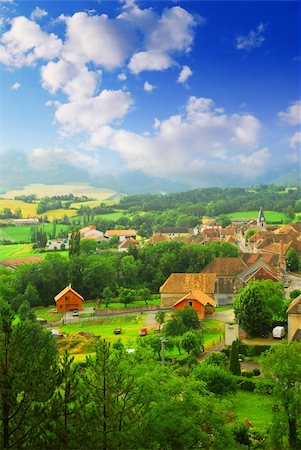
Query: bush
[256, 372]
[247, 373]
[218, 359]
[245, 384]
[252, 350]
[226, 350]
[217, 379]
[264, 387]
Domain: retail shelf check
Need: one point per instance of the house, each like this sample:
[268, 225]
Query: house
[294, 320]
[90, 232]
[259, 270]
[156, 239]
[28, 221]
[121, 234]
[13, 263]
[68, 299]
[173, 232]
[227, 283]
[127, 243]
[199, 301]
[178, 285]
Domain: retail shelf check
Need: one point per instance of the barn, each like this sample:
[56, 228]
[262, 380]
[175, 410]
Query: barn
[68, 300]
[199, 301]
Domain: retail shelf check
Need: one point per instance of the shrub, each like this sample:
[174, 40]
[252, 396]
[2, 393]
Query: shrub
[217, 379]
[245, 384]
[256, 372]
[226, 350]
[218, 359]
[247, 373]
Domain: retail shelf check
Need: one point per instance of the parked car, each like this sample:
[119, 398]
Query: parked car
[279, 332]
[143, 331]
[117, 331]
[75, 313]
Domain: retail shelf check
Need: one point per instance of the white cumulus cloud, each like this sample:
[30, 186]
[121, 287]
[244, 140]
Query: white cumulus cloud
[38, 13]
[148, 87]
[292, 115]
[15, 86]
[254, 39]
[88, 114]
[185, 73]
[25, 43]
[192, 147]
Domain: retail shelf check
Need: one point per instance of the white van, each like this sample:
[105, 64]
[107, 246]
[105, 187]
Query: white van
[279, 332]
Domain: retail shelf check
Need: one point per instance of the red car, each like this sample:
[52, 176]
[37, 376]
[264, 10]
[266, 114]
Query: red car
[143, 331]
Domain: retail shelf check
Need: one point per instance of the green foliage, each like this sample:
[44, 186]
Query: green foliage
[255, 304]
[107, 296]
[25, 312]
[282, 365]
[160, 317]
[217, 359]
[295, 293]
[182, 320]
[191, 342]
[218, 380]
[249, 234]
[241, 434]
[126, 295]
[88, 246]
[234, 363]
[74, 243]
[292, 260]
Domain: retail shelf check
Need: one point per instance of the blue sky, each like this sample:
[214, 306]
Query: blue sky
[190, 93]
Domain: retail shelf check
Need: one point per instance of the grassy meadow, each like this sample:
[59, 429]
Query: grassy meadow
[22, 233]
[271, 216]
[254, 407]
[15, 251]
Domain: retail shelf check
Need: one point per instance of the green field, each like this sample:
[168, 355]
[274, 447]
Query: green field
[271, 216]
[214, 331]
[22, 233]
[15, 251]
[254, 407]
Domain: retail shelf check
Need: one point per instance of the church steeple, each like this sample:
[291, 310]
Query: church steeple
[261, 222]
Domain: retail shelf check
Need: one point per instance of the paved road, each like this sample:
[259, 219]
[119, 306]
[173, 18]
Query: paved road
[225, 316]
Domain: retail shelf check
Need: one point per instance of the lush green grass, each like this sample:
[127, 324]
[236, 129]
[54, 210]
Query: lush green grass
[223, 308]
[15, 251]
[22, 233]
[150, 302]
[105, 327]
[254, 407]
[271, 216]
[214, 331]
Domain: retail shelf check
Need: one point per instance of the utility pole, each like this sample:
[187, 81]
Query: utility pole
[163, 341]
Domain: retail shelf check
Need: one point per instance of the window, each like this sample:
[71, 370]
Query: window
[190, 304]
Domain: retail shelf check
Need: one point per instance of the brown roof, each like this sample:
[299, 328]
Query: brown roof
[286, 229]
[186, 282]
[292, 307]
[275, 247]
[225, 266]
[128, 242]
[199, 296]
[19, 261]
[250, 258]
[89, 228]
[155, 239]
[110, 233]
[64, 291]
[230, 239]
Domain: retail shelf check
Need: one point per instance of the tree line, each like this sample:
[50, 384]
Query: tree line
[147, 267]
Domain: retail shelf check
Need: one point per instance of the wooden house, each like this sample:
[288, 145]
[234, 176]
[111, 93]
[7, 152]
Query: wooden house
[68, 300]
[294, 320]
[199, 301]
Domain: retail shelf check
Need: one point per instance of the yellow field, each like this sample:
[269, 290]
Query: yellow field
[91, 204]
[59, 213]
[28, 209]
[78, 189]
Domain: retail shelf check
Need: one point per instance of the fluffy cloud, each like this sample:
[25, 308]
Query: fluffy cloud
[25, 43]
[295, 140]
[292, 116]
[15, 86]
[172, 32]
[185, 73]
[91, 113]
[194, 146]
[97, 39]
[75, 80]
[38, 13]
[252, 40]
[148, 87]
[122, 77]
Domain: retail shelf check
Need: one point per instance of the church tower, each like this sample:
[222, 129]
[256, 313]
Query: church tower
[261, 222]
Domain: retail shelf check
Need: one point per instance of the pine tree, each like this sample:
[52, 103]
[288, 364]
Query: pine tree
[234, 362]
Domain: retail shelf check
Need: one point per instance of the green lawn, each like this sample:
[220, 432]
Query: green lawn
[214, 331]
[254, 407]
[271, 216]
[105, 327]
[113, 305]
[15, 251]
[22, 233]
